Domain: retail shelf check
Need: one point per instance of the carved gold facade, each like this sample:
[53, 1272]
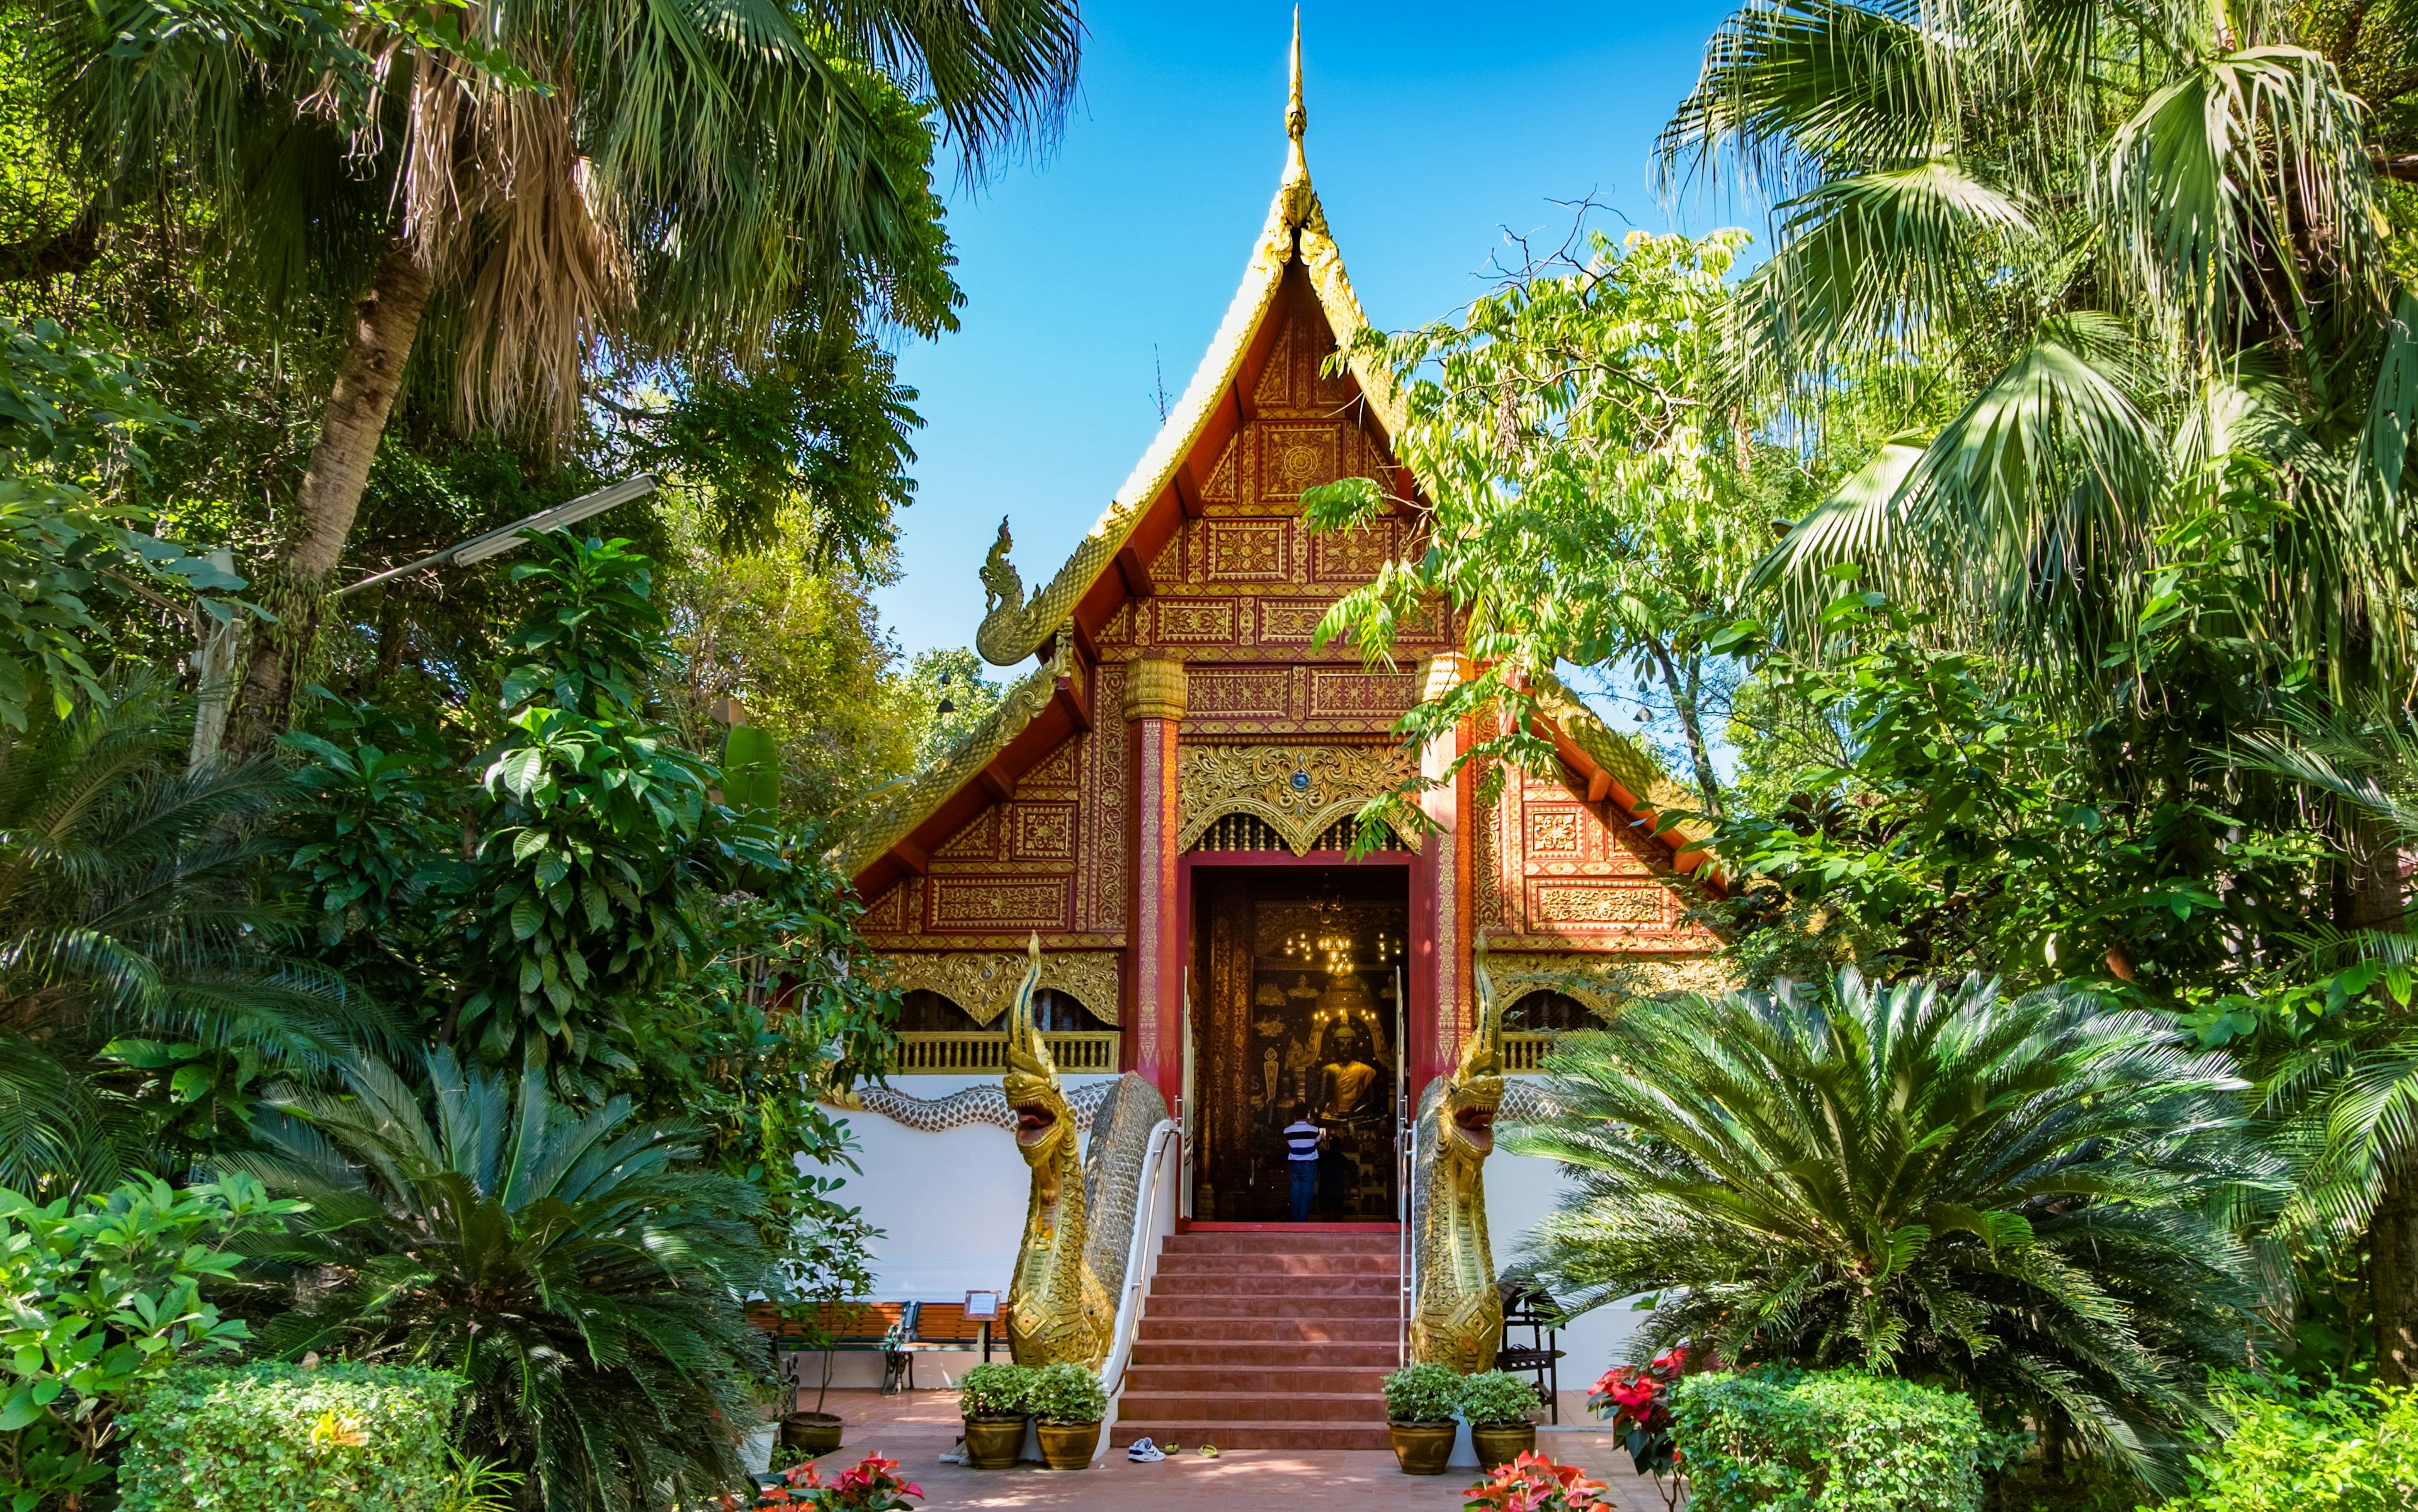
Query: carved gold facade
[983, 982]
[1300, 790]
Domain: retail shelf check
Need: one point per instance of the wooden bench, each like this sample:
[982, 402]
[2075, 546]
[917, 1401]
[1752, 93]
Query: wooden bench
[898, 1331]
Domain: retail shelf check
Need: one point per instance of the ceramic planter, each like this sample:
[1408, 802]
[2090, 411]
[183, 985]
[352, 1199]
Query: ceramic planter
[993, 1443]
[810, 1433]
[1068, 1445]
[1499, 1444]
[1422, 1447]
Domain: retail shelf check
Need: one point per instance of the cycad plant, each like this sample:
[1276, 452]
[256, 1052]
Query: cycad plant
[2023, 1197]
[576, 1268]
[144, 983]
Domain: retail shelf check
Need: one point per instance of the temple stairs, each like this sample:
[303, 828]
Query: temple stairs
[1267, 1338]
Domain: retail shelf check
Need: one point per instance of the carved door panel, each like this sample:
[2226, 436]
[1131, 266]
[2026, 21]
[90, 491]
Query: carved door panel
[1299, 970]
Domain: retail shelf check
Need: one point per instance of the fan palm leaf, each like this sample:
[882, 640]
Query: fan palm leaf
[2017, 1196]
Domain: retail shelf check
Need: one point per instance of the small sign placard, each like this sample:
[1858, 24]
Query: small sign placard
[981, 1305]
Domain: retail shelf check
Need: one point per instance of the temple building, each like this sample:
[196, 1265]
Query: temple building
[1164, 797]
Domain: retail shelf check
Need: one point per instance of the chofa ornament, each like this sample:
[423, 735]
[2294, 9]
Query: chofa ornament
[1057, 1310]
[1456, 1318]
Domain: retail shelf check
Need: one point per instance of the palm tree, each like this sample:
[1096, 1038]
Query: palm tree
[664, 180]
[2344, 1093]
[132, 935]
[584, 1278]
[2020, 1197]
[2123, 264]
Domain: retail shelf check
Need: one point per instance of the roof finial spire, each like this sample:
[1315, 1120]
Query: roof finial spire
[1296, 118]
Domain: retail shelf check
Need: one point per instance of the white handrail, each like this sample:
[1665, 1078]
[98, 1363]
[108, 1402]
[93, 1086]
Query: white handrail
[1139, 1254]
[1408, 1254]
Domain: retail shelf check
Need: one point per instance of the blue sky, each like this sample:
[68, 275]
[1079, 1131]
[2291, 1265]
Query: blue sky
[1431, 129]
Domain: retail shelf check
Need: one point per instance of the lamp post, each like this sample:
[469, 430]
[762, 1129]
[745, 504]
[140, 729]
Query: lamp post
[218, 660]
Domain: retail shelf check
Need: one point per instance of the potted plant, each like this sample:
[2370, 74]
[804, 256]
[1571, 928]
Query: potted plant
[1419, 1401]
[829, 1264]
[1067, 1403]
[994, 1400]
[1500, 1409]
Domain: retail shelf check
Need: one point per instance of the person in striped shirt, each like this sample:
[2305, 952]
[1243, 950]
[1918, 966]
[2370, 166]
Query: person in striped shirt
[1303, 1142]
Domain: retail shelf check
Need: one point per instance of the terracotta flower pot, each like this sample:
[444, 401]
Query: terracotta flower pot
[1499, 1444]
[1422, 1447]
[1068, 1445]
[993, 1443]
[810, 1433]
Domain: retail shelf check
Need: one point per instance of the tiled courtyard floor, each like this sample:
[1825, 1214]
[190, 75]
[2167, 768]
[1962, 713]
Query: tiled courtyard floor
[914, 1428]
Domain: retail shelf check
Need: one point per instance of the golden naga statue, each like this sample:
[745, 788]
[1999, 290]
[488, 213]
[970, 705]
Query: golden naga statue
[1456, 1319]
[1057, 1310]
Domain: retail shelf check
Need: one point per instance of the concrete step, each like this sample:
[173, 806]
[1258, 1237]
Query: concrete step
[1273, 1292]
[1277, 1242]
[1270, 1267]
[1189, 1436]
[1378, 1305]
[1232, 1353]
[1218, 1407]
[1206, 1327]
[1265, 1378]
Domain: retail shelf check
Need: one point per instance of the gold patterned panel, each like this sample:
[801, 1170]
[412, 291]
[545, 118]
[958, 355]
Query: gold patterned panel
[989, 904]
[1044, 832]
[1592, 904]
[1251, 693]
[1296, 455]
[1603, 981]
[1196, 622]
[1248, 551]
[1337, 693]
[1298, 790]
[1352, 555]
[1291, 621]
[983, 982]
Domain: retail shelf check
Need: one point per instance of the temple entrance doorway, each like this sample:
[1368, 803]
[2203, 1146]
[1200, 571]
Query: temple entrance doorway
[1300, 975]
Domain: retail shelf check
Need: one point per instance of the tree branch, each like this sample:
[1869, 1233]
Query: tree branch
[66, 252]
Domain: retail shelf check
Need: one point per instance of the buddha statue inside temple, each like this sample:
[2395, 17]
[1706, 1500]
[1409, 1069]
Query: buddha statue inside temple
[1347, 1084]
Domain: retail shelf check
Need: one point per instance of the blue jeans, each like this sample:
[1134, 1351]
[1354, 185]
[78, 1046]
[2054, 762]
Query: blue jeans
[1305, 1187]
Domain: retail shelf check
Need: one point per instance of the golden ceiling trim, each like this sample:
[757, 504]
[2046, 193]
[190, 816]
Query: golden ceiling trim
[983, 982]
[1299, 790]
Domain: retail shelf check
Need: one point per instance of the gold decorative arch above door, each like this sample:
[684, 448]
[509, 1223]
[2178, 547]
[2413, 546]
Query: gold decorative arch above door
[1299, 790]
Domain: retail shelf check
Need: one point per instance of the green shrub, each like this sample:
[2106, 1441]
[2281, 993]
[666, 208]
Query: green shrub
[1064, 1392]
[2340, 1451]
[104, 1295]
[281, 1436]
[1422, 1393]
[1497, 1398]
[996, 1391]
[1778, 1441]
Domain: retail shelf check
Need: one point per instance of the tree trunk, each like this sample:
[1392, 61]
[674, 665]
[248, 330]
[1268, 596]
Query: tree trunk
[2393, 1275]
[1684, 690]
[367, 379]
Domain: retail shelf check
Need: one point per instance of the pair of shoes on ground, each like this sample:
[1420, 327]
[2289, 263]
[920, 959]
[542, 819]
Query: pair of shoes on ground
[1144, 1452]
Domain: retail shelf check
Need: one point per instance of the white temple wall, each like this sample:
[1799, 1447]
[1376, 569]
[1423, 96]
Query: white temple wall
[951, 1206]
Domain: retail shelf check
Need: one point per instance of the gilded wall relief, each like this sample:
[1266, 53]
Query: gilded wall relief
[983, 982]
[1298, 790]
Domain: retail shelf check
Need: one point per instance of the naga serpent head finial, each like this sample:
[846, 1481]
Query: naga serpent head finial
[1043, 1118]
[1003, 586]
[1475, 1092]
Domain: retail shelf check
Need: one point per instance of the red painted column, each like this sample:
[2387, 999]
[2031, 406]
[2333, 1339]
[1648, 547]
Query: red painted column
[1154, 710]
[1445, 874]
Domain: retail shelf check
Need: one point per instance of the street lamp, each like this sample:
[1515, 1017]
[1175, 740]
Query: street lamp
[497, 542]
